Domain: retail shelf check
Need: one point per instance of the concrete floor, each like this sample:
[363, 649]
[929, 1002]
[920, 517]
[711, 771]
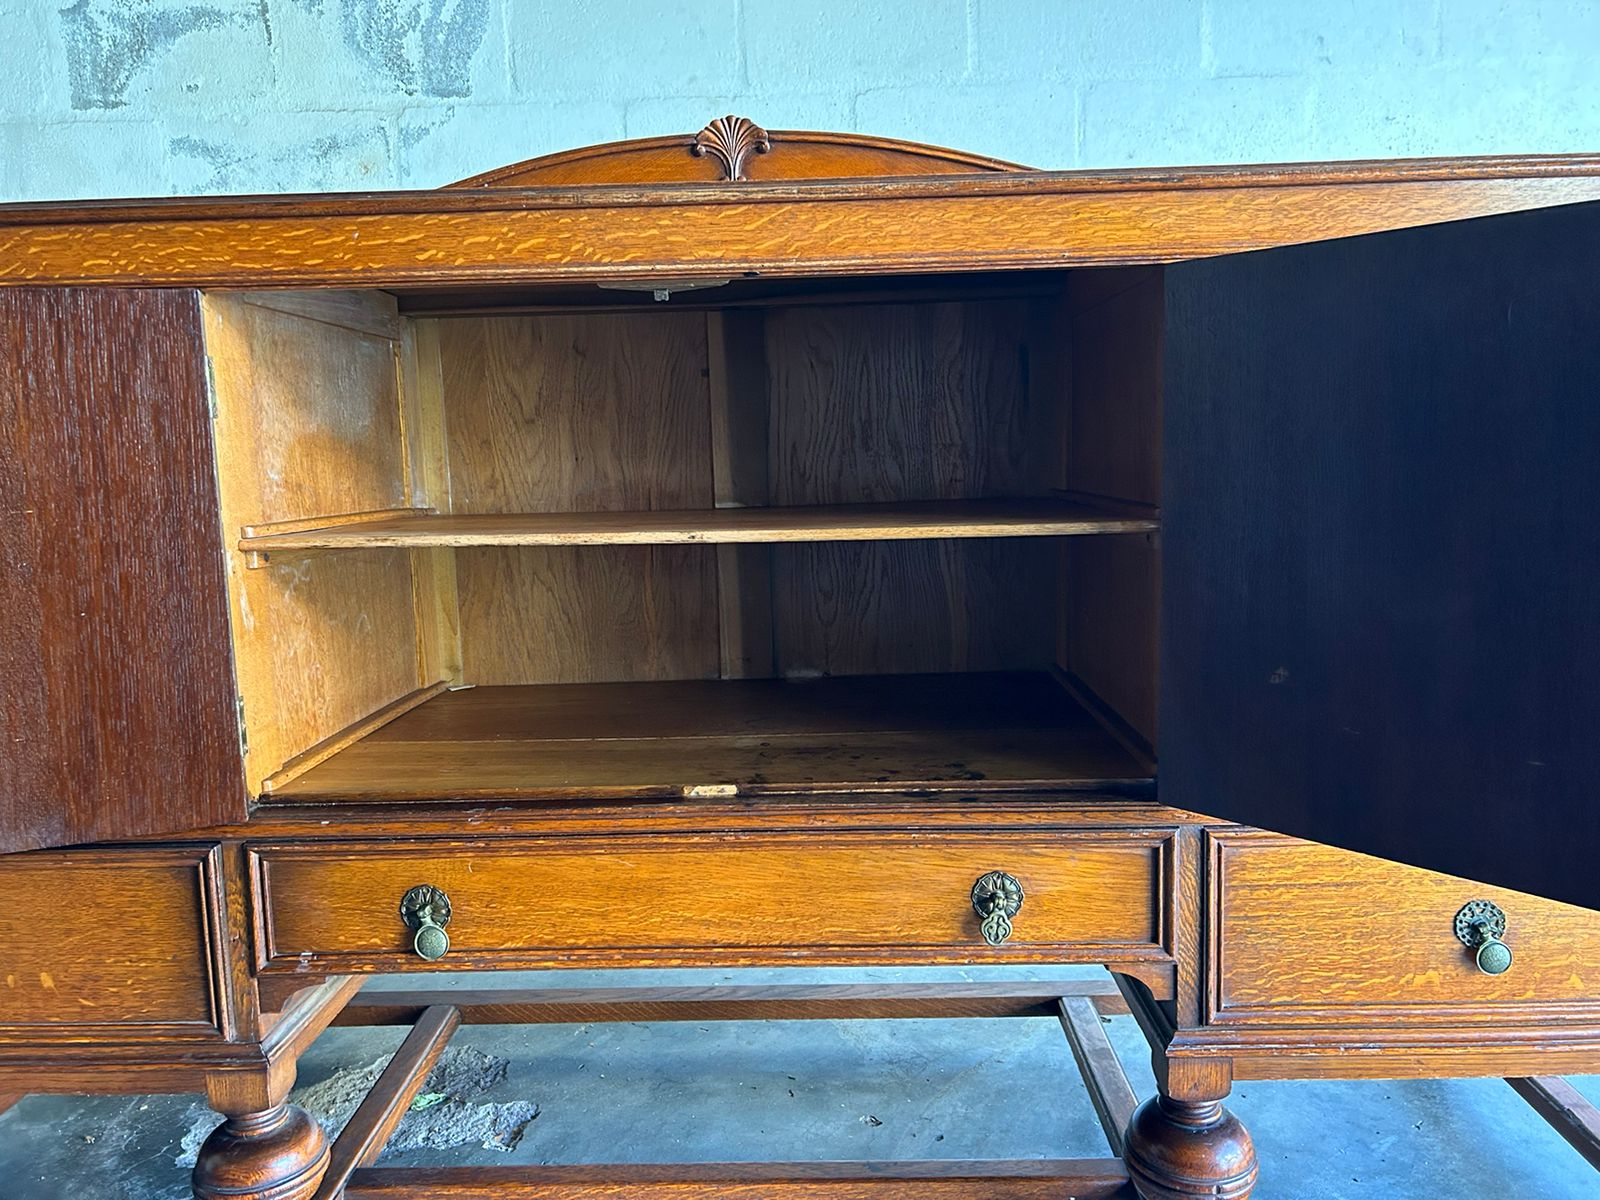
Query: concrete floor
[819, 1090]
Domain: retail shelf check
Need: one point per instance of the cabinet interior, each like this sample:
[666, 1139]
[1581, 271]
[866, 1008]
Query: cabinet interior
[871, 535]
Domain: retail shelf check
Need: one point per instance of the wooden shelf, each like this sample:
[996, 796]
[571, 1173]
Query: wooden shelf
[829, 523]
[979, 732]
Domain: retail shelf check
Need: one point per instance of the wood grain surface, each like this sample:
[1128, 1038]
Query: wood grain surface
[740, 477]
[814, 523]
[747, 898]
[369, 1128]
[1023, 219]
[309, 423]
[577, 413]
[1111, 591]
[433, 572]
[117, 705]
[1393, 1050]
[1178, 1149]
[1569, 1112]
[1046, 809]
[790, 154]
[312, 422]
[721, 1002]
[989, 1179]
[1309, 934]
[974, 732]
[586, 414]
[1109, 1091]
[849, 608]
[1378, 558]
[75, 965]
[905, 402]
[275, 1153]
[900, 403]
[563, 614]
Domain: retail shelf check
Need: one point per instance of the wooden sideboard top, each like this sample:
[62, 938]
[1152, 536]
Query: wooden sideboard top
[812, 204]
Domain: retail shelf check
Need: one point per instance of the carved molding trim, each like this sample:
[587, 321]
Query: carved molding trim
[731, 140]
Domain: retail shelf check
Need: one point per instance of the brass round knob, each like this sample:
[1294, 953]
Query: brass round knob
[996, 898]
[1493, 957]
[1481, 927]
[426, 910]
[431, 942]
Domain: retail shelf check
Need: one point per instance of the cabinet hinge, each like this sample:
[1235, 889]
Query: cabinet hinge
[211, 387]
[244, 735]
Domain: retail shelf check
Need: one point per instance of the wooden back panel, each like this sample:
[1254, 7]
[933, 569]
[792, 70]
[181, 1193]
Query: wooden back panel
[656, 409]
[734, 148]
[581, 413]
[908, 402]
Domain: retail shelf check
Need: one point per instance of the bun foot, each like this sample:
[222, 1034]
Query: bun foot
[1181, 1150]
[279, 1154]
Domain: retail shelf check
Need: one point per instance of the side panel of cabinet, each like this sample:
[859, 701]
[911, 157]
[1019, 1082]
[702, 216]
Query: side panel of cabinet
[1381, 554]
[117, 715]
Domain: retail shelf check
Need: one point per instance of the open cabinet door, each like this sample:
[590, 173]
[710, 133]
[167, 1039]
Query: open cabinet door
[1381, 546]
[117, 716]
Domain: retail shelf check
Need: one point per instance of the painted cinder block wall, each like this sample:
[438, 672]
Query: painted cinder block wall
[148, 97]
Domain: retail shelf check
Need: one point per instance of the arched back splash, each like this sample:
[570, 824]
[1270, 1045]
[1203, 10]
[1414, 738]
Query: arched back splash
[735, 149]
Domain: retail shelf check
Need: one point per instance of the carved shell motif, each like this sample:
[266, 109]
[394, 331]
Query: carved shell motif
[731, 140]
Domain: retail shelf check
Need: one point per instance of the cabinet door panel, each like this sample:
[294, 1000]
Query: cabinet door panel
[116, 697]
[1381, 546]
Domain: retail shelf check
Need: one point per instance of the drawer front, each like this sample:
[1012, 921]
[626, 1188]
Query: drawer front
[109, 943]
[1305, 934]
[734, 898]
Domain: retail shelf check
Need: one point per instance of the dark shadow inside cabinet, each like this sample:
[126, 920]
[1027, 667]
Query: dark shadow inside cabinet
[875, 535]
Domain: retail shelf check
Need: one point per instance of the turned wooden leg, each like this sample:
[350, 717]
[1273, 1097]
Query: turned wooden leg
[1182, 1149]
[278, 1154]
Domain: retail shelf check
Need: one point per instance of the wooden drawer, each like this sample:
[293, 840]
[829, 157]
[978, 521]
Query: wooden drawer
[110, 943]
[827, 896]
[1305, 934]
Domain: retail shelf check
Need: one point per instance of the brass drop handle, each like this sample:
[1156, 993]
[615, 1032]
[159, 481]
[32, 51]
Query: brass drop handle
[996, 898]
[426, 909]
[1481, 926]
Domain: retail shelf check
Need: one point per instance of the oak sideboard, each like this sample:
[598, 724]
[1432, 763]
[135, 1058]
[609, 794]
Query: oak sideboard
[756, 548]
